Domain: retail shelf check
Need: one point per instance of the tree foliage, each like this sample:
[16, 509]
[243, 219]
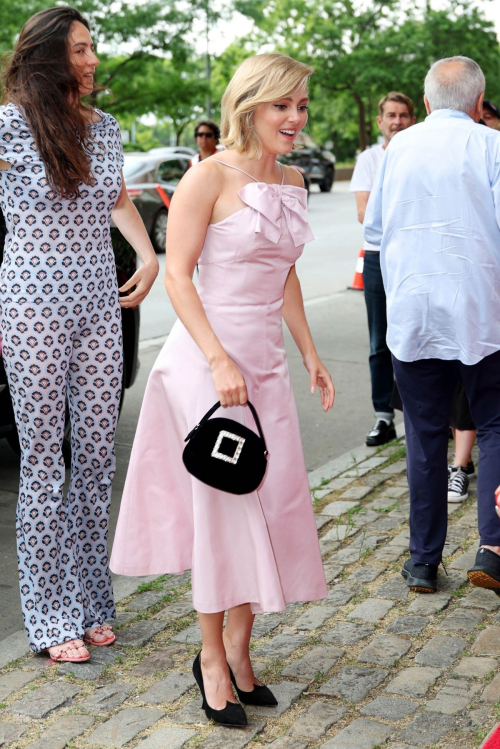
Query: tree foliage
[147, 60]
[360, 52]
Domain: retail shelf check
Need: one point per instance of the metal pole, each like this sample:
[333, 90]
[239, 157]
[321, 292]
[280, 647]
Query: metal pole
[207, 63]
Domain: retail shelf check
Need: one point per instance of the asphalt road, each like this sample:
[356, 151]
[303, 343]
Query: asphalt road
[338, 323]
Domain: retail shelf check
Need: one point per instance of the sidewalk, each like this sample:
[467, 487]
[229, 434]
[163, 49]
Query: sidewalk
[373, 665]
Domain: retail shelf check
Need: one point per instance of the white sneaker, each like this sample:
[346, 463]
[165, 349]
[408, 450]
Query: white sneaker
[458, 484]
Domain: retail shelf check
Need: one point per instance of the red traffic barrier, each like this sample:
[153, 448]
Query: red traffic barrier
[357, 281]
[163, 195]
[492, 741]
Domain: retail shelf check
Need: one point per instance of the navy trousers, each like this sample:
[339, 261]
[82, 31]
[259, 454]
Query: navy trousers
[426, 389]
[381, 373]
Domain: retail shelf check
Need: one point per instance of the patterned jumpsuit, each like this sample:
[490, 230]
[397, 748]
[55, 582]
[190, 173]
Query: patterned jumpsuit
[61, 328]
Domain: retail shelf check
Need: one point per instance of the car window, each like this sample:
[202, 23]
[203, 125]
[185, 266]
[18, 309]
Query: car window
[172, 170]
[132, 167]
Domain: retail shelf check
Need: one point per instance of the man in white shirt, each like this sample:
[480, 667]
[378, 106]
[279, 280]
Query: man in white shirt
[435, 212]
[395, 114]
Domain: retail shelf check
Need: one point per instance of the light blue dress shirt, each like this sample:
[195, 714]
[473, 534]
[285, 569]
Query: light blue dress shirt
[435, 212]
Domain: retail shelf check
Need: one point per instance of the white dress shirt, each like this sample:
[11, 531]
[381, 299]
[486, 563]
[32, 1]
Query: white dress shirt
[364, 176]
[435, 211]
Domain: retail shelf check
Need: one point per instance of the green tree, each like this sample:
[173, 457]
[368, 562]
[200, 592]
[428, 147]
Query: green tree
[156, 86]
[13, 15]
[361, 52]
[146, 58]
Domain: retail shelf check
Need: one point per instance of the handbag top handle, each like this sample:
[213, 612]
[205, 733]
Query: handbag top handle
[214, 409]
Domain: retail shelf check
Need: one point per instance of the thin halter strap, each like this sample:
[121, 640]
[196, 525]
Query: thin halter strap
[224, 163]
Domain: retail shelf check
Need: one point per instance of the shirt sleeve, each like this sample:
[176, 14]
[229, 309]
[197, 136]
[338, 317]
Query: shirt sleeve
[362, 177]
[495, 184]
[120, 158]
[118, 143]
[372, 225]
[12, 129]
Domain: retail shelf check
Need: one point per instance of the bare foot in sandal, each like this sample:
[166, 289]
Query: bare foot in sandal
[102, 635]
[71, 651]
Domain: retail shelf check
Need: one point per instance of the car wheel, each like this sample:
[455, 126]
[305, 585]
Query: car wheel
[326, 183]
[159, 231]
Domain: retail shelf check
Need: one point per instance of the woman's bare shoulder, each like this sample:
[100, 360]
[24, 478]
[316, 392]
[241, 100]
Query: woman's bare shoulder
[293, 176]
[200, 187]
[204, 173]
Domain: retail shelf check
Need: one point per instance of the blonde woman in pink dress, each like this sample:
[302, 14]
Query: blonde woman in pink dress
[242, 217]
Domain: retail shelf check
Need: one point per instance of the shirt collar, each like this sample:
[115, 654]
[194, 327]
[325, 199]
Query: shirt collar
[440, 114]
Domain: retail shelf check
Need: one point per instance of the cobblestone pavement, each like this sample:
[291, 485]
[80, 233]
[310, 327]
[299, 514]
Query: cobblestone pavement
[372, 665]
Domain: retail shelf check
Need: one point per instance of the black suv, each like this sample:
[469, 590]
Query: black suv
[126, 263]
[317, 165]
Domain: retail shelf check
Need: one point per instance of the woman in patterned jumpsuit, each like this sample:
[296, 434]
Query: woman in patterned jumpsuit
[60, 183]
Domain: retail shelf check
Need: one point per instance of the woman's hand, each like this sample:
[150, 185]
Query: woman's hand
[229, 383]
[320, 377]
[143, 279]
[497, 500]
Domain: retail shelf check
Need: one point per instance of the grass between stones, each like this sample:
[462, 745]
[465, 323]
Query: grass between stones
[471, 724]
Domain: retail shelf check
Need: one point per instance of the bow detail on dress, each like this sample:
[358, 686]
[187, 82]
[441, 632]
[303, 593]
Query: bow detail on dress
[272, 202]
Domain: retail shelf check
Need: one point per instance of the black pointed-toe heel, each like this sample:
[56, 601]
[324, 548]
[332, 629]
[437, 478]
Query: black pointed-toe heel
[260, 694]
[232, 716]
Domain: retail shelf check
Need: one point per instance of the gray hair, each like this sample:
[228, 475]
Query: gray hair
[454, 83]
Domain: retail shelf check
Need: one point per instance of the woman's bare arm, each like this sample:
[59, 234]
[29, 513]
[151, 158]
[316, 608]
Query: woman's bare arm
[189, 218]
[295, 318]
[130, 224]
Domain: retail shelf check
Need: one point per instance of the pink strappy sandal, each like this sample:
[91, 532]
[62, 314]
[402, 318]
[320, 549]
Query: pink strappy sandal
[63, 657]
[102, 630]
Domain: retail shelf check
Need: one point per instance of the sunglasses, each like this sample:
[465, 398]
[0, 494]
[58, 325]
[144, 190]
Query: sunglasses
[203, 135]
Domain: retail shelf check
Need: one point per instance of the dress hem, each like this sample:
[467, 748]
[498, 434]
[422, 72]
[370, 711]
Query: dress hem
[251, 599]
[256, 606]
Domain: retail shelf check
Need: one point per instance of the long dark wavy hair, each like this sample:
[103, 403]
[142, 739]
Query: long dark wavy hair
[39, 79]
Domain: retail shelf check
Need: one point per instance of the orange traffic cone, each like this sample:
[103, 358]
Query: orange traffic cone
[357, 282]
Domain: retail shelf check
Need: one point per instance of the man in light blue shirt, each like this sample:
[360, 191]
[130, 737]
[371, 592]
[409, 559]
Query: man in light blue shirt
[435, 212]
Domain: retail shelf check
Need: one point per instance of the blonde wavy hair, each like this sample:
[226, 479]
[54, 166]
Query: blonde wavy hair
[258, 80]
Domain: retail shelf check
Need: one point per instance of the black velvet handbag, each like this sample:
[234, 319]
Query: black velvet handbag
[226, 454]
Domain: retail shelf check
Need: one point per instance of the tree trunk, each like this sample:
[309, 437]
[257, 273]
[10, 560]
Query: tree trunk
[363, 136]
[178, 133]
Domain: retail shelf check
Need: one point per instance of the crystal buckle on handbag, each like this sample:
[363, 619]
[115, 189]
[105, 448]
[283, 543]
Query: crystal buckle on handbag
[237, 452]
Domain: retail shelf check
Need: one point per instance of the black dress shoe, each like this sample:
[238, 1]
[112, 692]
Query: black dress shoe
[486, 570]
[232, 716]
[260, 694]
[420, 577]
[381, 433]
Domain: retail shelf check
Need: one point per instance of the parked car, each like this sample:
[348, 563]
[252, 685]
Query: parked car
[184, 150]
[316, 164]
[126, 264]
[151, 179]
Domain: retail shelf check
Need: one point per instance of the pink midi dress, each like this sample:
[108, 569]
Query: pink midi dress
[260, 548]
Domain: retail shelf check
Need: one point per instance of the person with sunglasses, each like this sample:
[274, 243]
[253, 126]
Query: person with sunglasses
[207, 136]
